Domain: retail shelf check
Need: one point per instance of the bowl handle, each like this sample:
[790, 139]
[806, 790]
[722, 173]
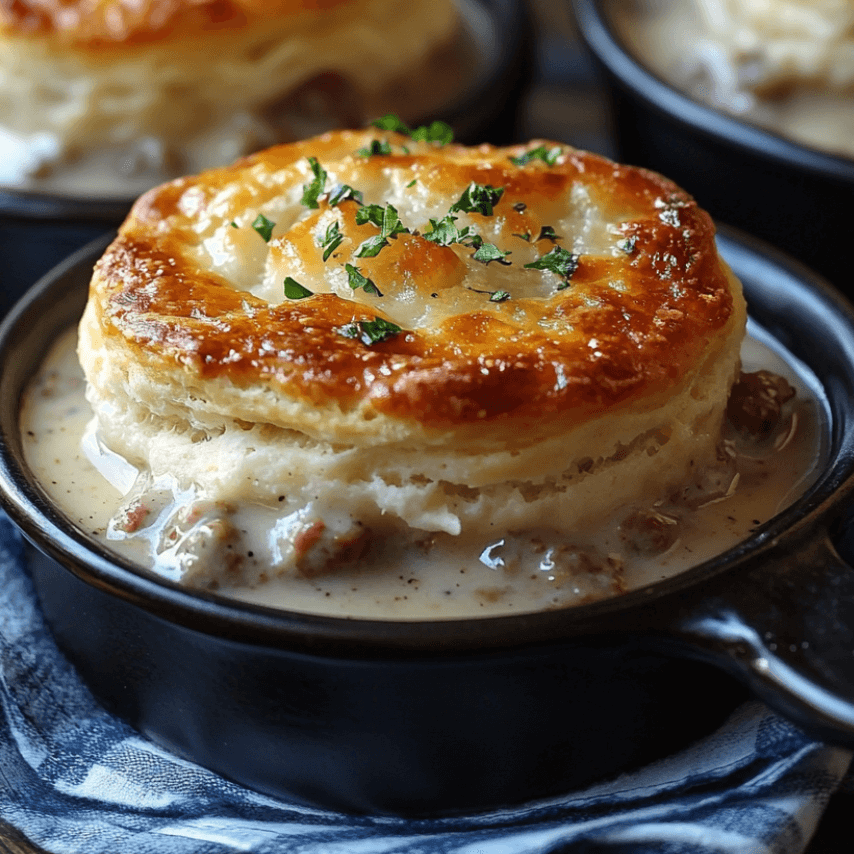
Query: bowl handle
[786, 627]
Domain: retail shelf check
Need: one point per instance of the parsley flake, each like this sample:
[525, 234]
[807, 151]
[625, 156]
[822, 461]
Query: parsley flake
[487, 252]
[377, 148]
[331, 240]
[264, 227]
[478, 198]
[389, 223]
[356, 280]
[412, 183]
[371, 247]
[526, 236]
[549, 156]
[443, 232]
[370, 331]
[294, 290]
[391, 122]
[342, 192]
[558, 261]
[499, 296]
[312, 191]
[548, 233]
[436, 131]
[370, 213]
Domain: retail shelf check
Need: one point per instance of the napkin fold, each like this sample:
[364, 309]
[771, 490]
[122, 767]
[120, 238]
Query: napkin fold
[73, 779]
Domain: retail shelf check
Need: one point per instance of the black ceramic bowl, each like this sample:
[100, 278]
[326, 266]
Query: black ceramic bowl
[797, 198]
[463, 715]
[38, 230]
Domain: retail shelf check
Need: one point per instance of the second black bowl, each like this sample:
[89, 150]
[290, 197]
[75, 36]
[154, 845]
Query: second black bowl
[795, 197]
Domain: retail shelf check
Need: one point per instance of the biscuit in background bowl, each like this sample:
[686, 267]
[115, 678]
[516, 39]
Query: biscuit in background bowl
[107, 99]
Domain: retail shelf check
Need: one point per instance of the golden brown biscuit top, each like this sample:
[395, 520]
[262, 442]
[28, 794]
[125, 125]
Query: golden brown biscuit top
[364, 272]
[106, 22]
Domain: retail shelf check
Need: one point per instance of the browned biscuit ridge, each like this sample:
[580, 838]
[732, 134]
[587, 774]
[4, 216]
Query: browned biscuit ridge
[639, 311]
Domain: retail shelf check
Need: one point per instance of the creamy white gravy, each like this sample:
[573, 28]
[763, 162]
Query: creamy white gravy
[672, 39]
[443, 576]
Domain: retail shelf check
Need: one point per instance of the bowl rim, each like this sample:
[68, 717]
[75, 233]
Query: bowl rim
[712, 124]
[210, 614]
[502, 43]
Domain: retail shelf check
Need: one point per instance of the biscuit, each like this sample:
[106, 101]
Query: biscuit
[435, 337]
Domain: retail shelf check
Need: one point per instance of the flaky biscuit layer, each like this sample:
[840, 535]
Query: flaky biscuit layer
[191, 297]
[498, 392]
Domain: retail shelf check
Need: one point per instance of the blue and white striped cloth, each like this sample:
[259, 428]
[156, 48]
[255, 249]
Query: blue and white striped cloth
[75, 779]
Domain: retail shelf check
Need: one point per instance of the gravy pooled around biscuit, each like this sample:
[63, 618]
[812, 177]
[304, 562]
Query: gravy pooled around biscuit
[368, 339]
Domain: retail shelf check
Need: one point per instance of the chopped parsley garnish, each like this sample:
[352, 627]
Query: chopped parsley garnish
[549, 156]
[370, 213]
[548, 233]
[444, 232]
[314, 189]
[234, 224]
[389, 223]
[294, 290]
[487, 252]
[370, 331]
[342, 192]
[356, 280]
[386, 218]
[377, 147]
[371, 247]
[478, 198]
[499, 296]
[628, 245]
[412, 183]
[558, 261]
[434, 132]
[264, 227]
[391, 122]
[331, 240]
[525, 236]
